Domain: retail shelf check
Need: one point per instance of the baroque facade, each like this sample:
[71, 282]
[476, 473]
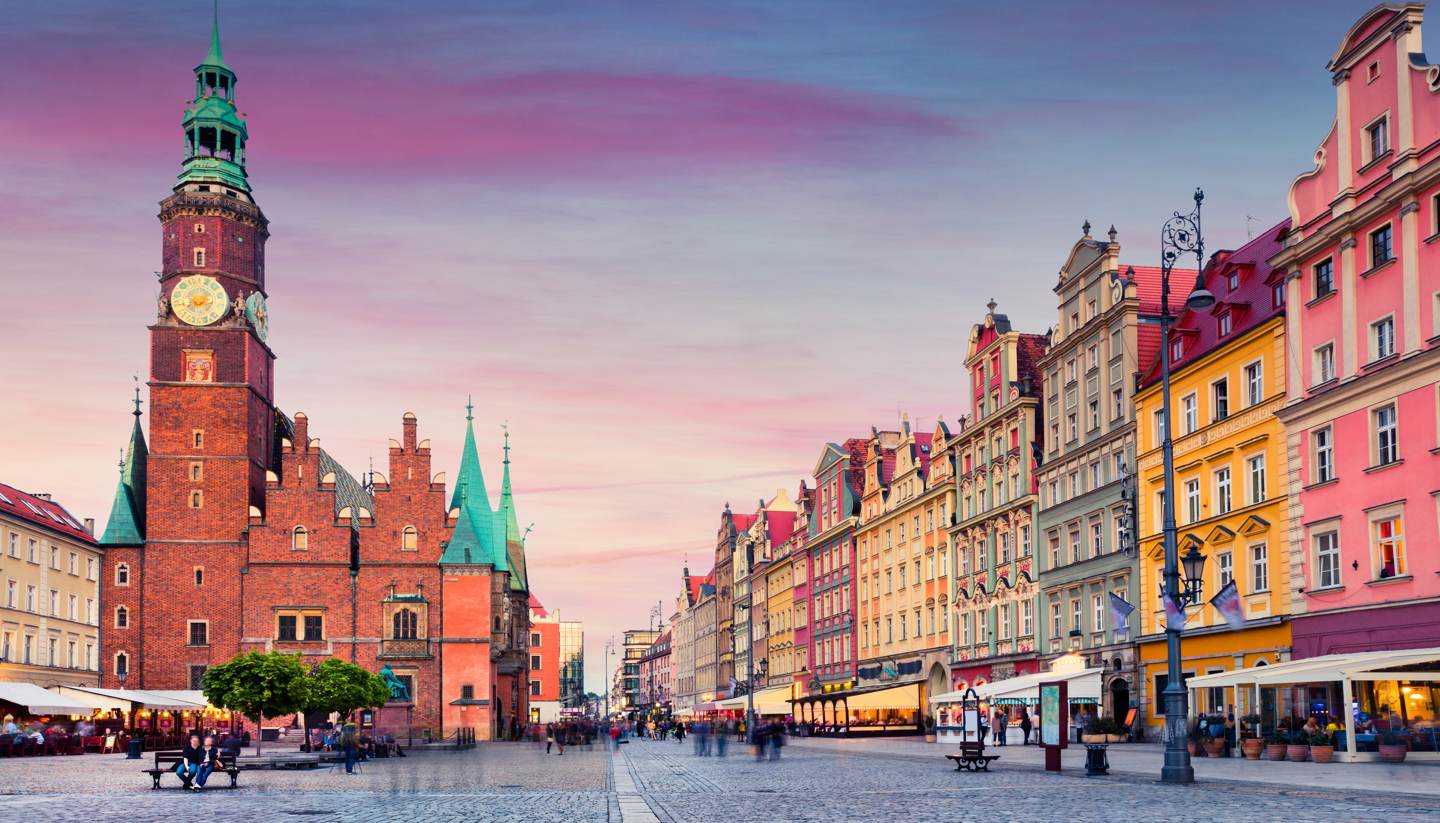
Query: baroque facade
[1086, 482]
[995, 452]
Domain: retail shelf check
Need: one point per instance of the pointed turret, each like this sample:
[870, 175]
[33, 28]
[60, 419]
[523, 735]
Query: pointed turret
[126, 526]
[214, 57]
[464, 546]
[514, 540]
[470, 497]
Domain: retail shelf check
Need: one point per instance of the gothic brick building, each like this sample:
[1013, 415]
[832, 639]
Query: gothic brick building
[234, 531]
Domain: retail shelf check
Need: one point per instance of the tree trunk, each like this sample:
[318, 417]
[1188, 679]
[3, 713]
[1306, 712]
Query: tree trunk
[259, 733]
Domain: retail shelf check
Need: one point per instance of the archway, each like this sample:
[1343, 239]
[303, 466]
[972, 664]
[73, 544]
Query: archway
[1119, 699]
[937, 682]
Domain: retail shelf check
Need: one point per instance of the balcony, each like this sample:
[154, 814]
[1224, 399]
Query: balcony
[405, 649]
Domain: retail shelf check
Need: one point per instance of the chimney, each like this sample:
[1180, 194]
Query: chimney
[90, 525]
[302, 432]
[409, 437]
[40, 495]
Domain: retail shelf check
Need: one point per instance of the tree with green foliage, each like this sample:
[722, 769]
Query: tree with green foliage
[258, 685]
[337, 686]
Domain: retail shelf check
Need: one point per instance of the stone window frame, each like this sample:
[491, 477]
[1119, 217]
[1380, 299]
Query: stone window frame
[122, 617]
[409, 539]
[190, 633]
[122, 575]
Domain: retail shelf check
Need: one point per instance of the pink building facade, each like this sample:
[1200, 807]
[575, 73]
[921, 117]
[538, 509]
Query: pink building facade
[1362, 268]
[838, 480]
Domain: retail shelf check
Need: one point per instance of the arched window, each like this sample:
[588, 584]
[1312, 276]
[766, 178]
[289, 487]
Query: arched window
[122, 617]
[122, 663]
[405, 625]
[300, 539]
[197, 499]
[122, 574]
[199, 575]
[409, 539]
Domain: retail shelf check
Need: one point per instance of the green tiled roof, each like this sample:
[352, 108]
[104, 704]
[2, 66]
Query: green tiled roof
[464, 546]
[126, 526]
[513, 541]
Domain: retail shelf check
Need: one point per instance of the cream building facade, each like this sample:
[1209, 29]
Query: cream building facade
[50, 604]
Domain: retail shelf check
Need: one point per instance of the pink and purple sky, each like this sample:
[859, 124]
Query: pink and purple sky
[677, 245]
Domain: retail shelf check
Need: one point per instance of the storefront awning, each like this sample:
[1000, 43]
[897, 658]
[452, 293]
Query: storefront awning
[1327, 668]
[144, 699]
[92, 699]
[36, 700]
[904, 697]
[1083, 687]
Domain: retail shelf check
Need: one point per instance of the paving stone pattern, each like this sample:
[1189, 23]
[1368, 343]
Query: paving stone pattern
[666, 782]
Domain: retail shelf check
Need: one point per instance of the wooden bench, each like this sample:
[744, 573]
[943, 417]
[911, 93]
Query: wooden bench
[166, 761]
[972, 757]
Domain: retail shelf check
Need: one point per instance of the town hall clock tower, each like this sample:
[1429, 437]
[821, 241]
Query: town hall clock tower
[211, 396]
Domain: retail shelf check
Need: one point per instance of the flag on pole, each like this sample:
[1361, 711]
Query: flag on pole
[1227, 602]
[1174, 615]
[1120, 613]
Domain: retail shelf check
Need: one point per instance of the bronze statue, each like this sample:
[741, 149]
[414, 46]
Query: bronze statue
[399, 692]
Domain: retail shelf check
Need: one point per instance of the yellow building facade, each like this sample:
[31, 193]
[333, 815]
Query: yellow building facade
[1230, 462]
[780, 612]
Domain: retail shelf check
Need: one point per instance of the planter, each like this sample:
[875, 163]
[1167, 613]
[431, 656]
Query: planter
[1114, 738]
[1275, 751]
[1252, 747]
[1194, 748]
[1393, 752]
[1322, 754]
[929, 738]
[1297, 753]
[1094, 738]
[1214, 748]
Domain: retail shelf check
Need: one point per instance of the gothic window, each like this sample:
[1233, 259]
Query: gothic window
[197, 500]
[122, 574]
[300, 539]
[122, 663]
[199, 575]
[404, 625]
[409, 539]
[199, 258]
[122, 617]
[198, 438]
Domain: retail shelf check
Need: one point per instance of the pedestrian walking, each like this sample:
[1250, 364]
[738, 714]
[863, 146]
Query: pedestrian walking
[350, 742]
[549, 736]
[1026, 725]
[1002, 722]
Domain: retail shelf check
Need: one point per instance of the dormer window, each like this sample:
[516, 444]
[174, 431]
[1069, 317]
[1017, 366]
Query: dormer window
[1177, 348]
[1234, 280]
[1223, 324]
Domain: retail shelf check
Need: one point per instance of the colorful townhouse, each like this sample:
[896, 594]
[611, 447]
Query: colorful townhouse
[1227, 383]
[993, 533]
[1362, 278]
[1086, 480]
[799, 552]
[839, 479]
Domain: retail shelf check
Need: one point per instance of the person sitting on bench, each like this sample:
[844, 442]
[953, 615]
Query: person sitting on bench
[190, 764]
[209, 761]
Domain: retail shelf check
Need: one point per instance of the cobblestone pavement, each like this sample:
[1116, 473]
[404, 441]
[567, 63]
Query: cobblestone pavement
[816, 784]
[499, 782]
[664, 781]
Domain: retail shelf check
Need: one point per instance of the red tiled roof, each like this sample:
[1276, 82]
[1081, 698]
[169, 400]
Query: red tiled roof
[695, 582]
[743, 521]
[44, 513]
[1201, 329]
[781, 524]
[1147, 284]
[1030, 348]
[537, 607]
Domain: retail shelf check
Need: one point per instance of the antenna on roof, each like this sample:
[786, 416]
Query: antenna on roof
[1250, 232]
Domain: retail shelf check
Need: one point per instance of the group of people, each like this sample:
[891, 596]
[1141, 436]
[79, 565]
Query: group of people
[999, 723]
[569, 733]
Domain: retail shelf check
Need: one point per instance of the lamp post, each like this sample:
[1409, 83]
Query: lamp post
[609, 647]
[1179, 236]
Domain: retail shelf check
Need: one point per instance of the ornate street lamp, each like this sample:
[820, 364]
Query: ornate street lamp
[1179, 236]
[1193, 562]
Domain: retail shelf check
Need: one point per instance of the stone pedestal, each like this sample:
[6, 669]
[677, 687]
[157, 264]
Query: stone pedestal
[395, 718]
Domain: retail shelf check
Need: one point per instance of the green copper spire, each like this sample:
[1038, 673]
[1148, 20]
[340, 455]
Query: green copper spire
[215, 58]
[470, 497]
[215, 133]
[514, 541]
[126, 526]
[464, 546]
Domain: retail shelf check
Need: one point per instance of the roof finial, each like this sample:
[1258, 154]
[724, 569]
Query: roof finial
[1085, 227]
[1113, 234]
[506, 428]
[122, 461]
[137, 394]
[469, 407]
[992, 305]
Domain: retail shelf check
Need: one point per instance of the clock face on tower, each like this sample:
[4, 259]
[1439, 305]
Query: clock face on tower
[199, 300]
[258, 314]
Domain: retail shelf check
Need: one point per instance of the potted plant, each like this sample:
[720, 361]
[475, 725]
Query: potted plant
[1214, 746]
[929, 728]
[1322, 750]
[1393, 746]
[1101, 730]
[1298, 747]
[1276, 745]
[1251, 745]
